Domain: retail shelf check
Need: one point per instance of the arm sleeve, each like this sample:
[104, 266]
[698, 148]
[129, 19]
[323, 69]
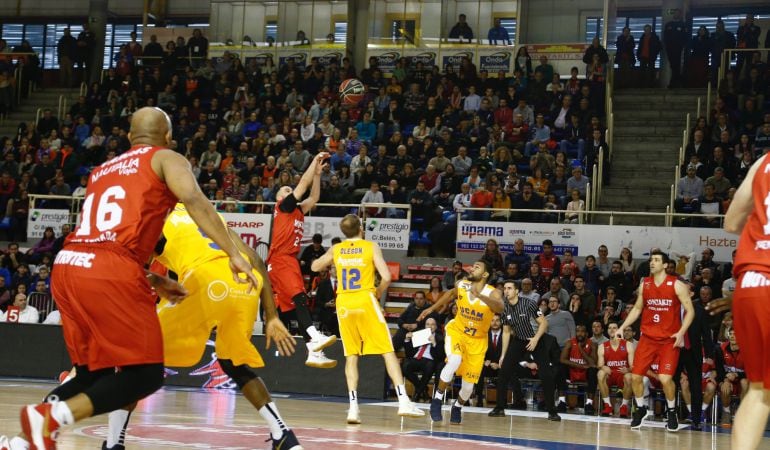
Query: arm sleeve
[288, 204]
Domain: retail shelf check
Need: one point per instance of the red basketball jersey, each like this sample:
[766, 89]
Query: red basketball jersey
[754, 245]
[576, 357]
[616, 359]
[126, 205]
[661, 313]
[733, 359]
[288, 229]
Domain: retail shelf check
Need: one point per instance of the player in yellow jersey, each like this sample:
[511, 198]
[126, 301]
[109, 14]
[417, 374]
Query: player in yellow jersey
[362, 325]
[214, 299]
[466, 336]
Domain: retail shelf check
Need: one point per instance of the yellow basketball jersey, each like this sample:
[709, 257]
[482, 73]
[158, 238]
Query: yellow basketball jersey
[473, 315]
[186, 245]
[354, 263]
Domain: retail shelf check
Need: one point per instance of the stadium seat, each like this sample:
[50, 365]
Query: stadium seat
[395, 270]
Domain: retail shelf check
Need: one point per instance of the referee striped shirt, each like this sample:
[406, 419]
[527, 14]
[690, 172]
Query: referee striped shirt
[521, 317]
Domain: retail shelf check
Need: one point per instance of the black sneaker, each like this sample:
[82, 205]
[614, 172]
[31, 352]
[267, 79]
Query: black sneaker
[114, 447]
[672, 423]
[497, 412]
[553, 417]
[697, 426]
[589, 409]
[561, 407]
[639, 415]
[287, 442]
[435, 410]
[455, 415]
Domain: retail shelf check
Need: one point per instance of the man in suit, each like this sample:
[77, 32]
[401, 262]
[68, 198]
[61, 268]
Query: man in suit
[325, 301]
[423, 359]
[491, 359]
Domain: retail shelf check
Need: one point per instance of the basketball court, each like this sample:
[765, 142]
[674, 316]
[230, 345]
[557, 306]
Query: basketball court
[223, 419]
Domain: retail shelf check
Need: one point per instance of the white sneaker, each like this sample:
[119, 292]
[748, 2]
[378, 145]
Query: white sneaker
[408, 409]
[354, 418]
[5, 444]
[316, 345]
[319, 360]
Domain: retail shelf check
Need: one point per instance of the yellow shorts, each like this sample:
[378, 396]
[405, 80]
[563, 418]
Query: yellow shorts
[471, 350]
[362, 325]
[215, 300]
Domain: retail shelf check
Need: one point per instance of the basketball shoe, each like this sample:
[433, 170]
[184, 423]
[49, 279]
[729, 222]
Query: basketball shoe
[321, 342]
[38, 423]
[408, 409]
[287, 442]
[354, 416]
[318, 359]
[639, 415]
[435, 410]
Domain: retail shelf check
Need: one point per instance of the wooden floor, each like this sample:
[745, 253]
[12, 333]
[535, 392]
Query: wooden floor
[223, 420]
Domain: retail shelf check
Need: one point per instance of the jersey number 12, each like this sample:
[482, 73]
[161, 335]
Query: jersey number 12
[351, 279]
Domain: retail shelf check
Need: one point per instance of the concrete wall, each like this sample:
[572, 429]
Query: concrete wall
[556, 20]
[52, 8]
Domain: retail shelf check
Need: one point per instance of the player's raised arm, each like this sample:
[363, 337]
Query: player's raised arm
[493, 298]
[382, 269]
[307, 178]
[635, 312]
[315, 190]
[743, 202]
[324, 261]
[175, 170]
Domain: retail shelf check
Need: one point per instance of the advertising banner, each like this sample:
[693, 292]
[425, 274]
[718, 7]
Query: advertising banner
[328, 56]
[386, 58]
[300, 56]
[40, 219]
[427, 57]
[585, 239]
[454, 57]
[495, 60]
[557, 51]
[389, 234]
[252, 228]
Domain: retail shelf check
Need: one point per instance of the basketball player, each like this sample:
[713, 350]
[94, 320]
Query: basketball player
[362, 325]
[748, 212]
[707, 383]
[215, 301]
[616, 357]
[466, 336]
[283, 265]
[659, 302]
[107, 306]
[578, 358]
[732, 370]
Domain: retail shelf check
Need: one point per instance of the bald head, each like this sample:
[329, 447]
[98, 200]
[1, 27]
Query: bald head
[150, 126]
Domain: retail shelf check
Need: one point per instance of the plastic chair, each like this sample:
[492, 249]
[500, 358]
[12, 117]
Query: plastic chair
[395, 270]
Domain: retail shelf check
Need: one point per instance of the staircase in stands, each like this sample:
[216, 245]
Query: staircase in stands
[648, 134]
[26, 110]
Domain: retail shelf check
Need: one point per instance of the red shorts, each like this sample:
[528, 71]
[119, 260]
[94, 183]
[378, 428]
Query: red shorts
[577, 375]
[655, 383]
[615, 379]
[751, 309]
[107, 310]
[287, 281]
[649, 350]
[705, 382]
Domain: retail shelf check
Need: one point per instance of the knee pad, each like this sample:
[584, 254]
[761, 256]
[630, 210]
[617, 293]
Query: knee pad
[449, 370]
[466, 389]
[300, 300]
[241, 375]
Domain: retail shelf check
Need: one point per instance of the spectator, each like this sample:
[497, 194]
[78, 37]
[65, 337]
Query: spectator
[595, 49]
[721, 40]
[424, 360]
[498, 35]
[373, 195]
[561, 325]
[675, 38]
[587, 298]
[528, 292]
[577, 182]
[556, 289]
[312, 252]
[26, 314]
[461, 30]
[86, 44]
[407, 321]
[697, 66]
[549, 263]
[647, 53]
[574, 207]
[66, 50]
[748, 37]
[624, 56]
[710, 208]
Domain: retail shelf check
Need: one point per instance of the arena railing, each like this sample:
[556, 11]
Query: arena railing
[725, 59]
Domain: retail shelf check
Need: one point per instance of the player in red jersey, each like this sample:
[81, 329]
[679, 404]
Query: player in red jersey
[102, 289]
[659, 301]
[579, 357]
[748, 215]
[732, 371]
[283, 265]
[616, 357]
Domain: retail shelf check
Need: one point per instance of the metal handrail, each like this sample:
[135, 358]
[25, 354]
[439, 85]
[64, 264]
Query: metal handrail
[708, 104]
[37, 116]
[84, 87]
[59, 106]
[725, 59]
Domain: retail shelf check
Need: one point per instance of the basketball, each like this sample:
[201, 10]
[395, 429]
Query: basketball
[352, 91]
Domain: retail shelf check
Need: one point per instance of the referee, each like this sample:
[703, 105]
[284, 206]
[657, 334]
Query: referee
[519, 337]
